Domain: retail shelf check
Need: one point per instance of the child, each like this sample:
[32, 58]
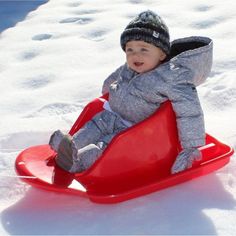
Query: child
[154, 72]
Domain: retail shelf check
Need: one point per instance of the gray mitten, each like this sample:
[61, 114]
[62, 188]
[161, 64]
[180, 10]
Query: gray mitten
[185, 159]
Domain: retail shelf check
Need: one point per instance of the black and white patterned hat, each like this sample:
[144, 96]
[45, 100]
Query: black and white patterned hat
[147, 27]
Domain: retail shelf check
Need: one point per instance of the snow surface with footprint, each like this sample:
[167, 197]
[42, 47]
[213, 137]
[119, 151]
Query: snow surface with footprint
[54, 60]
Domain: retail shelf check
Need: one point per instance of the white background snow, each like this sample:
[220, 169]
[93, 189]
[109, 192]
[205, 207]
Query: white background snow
[54, 57]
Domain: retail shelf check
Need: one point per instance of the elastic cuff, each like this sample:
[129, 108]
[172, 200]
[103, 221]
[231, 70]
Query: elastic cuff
[193, 143]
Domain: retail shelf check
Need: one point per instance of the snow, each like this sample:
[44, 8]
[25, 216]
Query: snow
[54, 57]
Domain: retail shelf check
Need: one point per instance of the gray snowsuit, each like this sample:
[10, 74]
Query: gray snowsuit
[134, 97]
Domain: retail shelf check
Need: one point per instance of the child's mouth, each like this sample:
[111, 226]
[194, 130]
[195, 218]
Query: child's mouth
[138, 64]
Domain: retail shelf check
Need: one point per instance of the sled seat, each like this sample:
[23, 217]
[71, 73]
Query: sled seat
[138, 155]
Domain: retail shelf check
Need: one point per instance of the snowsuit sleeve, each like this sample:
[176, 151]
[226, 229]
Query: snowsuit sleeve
[110, 79]
[189, 115]
[174, 83]
[189, 68]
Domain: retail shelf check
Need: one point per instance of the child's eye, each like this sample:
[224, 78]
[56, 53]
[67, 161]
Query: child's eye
[144, 49]
[129, 50]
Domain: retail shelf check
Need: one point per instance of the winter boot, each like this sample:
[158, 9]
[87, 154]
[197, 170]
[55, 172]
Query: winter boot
[64, 157]
[56, 139]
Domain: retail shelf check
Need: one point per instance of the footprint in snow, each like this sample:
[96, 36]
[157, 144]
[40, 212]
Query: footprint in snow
[36, 82]
[77, 20]
[96, 35]
[202, 8]
[74, 4]
[28, 55]
[219, 88]
[130, 16]
[87, 12]
[207, 23]
[222, 99]
[41, 37]
[56, 109]
[136, 1]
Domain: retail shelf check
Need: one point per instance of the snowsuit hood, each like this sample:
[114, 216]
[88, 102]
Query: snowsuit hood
[195, 54]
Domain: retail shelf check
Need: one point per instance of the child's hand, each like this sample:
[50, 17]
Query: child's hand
[185, 159]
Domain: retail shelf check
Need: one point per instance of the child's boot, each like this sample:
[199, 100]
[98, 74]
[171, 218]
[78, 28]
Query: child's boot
[56, 139]
[64, 157]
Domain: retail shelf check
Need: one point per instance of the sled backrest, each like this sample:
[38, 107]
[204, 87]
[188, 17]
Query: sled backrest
[136, 156]
[90, 110]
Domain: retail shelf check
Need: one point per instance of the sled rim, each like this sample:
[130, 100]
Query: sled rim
[27, 176]
[171, 181]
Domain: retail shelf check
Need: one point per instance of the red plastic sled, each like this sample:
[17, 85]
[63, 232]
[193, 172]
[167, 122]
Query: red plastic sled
[136, 162]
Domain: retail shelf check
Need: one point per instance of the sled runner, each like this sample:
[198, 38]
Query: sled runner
[135, 163]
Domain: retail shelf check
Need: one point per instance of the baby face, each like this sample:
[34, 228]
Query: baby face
[143, 57]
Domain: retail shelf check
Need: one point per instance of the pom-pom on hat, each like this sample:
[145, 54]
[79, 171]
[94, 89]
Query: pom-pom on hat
[147, 27]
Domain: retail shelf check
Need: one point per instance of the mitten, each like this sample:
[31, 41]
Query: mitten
[185, 159]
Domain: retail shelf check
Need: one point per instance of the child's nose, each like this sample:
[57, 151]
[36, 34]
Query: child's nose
[136, 54]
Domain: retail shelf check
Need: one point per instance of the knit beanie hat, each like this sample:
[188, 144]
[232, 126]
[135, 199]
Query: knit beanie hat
[147, 27]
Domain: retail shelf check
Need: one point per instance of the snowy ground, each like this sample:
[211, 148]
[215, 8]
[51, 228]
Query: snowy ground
[53, 60]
